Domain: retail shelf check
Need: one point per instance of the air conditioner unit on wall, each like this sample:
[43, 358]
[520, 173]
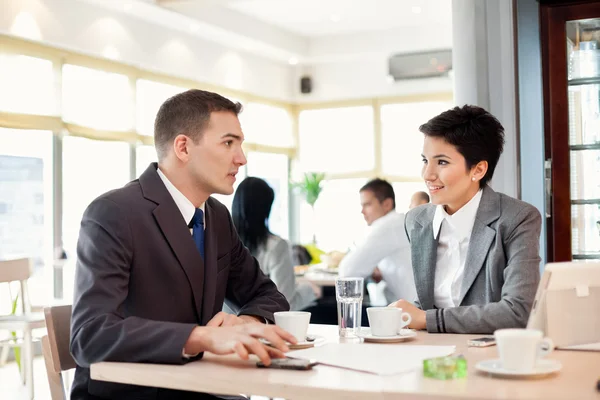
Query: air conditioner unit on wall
[420, 65]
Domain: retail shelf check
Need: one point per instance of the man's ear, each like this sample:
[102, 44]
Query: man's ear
[388, 204]
[180, 147]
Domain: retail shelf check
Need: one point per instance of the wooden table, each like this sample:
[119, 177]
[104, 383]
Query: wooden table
[229, 375]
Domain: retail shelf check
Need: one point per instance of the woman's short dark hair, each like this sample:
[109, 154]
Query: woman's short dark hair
[187, 113]
[475, 133]
[250, 211]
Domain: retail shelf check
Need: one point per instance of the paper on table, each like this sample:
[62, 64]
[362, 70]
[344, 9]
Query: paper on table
[373, 358]
[588, 347]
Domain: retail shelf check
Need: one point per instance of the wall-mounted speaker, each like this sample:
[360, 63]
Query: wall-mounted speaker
[305, 84]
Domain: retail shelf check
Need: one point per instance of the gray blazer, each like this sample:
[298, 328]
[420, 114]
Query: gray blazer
[501, 270]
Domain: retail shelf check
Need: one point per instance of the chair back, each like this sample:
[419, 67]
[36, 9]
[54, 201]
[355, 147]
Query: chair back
[17, 270]
[58, 323]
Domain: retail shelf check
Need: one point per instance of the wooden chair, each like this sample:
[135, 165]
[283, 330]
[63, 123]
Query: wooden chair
[55, 347]
[25, 321]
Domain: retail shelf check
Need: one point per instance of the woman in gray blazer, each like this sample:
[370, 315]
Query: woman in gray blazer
[475, 252]
[250, 212]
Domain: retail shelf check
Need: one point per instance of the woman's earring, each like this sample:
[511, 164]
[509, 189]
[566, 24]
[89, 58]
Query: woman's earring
[473, 179]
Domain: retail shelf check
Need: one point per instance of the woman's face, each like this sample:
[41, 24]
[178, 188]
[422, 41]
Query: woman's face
[446, 175]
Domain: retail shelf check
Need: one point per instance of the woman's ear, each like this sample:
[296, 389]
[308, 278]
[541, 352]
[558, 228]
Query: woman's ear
[479, 171]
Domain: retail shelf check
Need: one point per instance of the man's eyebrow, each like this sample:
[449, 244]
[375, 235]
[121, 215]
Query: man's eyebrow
[232, 136]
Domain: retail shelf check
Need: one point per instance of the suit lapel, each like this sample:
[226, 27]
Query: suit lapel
[210, 263]
[424, 255]
[171, 223]
[481, 239]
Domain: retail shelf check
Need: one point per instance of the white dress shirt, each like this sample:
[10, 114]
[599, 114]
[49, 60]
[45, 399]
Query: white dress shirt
[385, 246]
[454, 235]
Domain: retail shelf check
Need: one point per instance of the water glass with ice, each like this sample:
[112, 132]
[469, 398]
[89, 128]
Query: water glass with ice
[349, 296]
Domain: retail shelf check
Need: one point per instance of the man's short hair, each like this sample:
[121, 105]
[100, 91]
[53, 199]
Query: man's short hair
[381, 189]
[475, 133]
[423, 196]
[187, 113]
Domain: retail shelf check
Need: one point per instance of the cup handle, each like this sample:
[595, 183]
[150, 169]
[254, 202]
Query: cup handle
[405, 321]
[545, 347]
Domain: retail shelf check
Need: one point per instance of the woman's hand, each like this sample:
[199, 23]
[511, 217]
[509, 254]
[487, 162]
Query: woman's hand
[417, 315]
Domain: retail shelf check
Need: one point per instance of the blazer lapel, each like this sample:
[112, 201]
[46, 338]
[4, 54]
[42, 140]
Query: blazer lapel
[210, 263]
[424, 255]
[171, 223]
[481, 239]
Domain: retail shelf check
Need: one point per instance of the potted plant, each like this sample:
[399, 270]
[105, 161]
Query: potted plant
[310, 187]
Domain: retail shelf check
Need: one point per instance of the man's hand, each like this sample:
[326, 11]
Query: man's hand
[418, 316]
[224, 319]
[240, 339]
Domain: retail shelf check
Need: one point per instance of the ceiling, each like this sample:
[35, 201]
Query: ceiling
[315, 18]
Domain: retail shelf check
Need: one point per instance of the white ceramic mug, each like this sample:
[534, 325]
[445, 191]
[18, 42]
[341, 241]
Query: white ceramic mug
[520, 349]
[387, 321]
[295, 322]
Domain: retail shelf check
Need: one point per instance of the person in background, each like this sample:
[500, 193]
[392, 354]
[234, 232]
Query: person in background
[417, 199]
[250, 210]
[157, 258]
[385, 251]
[475, 252]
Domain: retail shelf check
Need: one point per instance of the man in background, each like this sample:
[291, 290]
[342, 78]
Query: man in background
[418, 199]
[385, 249]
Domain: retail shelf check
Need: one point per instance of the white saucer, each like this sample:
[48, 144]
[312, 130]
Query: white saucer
[319, 340]
[543, 367]
[405, 334]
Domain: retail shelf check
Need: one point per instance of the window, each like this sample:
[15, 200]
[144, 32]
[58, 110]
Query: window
[324, 133]
[337, 222]
[263, 124]
[402, 143]
[26, 85]
[26, 203]
[97, 99]
[86, 175]
[144, 155]
[149, 97]
[274, 169]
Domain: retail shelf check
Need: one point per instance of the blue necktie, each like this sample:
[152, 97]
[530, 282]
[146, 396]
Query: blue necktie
[198, 230]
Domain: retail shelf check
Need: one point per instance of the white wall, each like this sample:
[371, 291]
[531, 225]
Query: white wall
[89, 29]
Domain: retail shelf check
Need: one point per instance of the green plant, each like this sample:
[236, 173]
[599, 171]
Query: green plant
[311, 187]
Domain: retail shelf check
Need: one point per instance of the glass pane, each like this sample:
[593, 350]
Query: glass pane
[149, 97]
[337, 221]
[144, 155]
[87, 175]
[337, 140]
[97, 99]
[402, 143]
[585, 225]
[273, 168]
[583, 53]
[26, 205]
[26, 85]
[404, 192]
[267, 125]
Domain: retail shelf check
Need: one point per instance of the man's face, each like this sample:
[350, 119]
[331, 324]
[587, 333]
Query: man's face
[372, 208]
[216, 158]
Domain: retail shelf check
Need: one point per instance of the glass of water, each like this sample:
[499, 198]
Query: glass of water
[349, 296]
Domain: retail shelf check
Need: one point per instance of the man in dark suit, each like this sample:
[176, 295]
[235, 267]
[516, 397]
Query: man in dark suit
[158, 257]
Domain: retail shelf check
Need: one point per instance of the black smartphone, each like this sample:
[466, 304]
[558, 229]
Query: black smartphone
[288, 363]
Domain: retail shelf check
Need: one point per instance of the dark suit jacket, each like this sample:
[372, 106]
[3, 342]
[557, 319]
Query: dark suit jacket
[501, 270]
[141, 286]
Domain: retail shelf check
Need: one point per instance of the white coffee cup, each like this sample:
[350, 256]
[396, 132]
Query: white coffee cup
[387, 321]
[295, 322]
[519, 349]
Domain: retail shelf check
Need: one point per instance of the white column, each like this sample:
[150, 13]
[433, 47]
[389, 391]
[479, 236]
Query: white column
[484, 73]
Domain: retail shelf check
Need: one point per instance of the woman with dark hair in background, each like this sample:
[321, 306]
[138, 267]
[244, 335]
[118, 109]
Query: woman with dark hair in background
[475, 252]
[250, 211]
